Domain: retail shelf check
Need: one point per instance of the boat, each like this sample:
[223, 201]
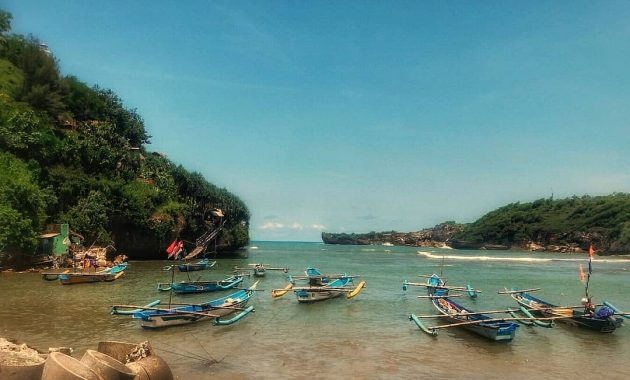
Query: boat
[321, 287]
[436, 286]
[599, 318]
[233, 305]
[106, 275]
[199, 265]
[52, 276]
[186, 287]
[314, 277]
[496, 329]
[259, 270]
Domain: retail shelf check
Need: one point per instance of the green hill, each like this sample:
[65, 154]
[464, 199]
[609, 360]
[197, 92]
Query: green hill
[75, 154]
[603, 221]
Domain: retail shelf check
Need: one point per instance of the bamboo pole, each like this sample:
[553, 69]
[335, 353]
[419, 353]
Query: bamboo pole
[494, 320]
[167, 310]
[447, 296]
[442, 287]
[466, 314]
[517, 291]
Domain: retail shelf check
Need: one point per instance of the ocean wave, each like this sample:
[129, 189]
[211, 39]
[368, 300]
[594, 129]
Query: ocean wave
[431, 255]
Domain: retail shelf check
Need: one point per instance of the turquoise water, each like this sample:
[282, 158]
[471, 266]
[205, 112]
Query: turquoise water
[369, 336]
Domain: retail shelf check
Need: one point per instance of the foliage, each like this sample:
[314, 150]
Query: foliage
[90, 218]
[543, 220]
[60, 136]
[11, 79]
[22, 204]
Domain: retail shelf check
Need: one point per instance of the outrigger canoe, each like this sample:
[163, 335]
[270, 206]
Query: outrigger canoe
[599, 318]
[106, 275]
[435, 285]
[234, 305]
[186, 287]
[478, 323]
[199, 265]
[321, 287]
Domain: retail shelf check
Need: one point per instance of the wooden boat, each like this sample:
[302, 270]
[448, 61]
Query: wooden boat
[234, 305]
[321, 287]
[199, 265]
[436, 286]
[52, 276]
[316, 278]
[186, 287]
[599, 318]
[478, 323]
[106, 275]
[259, 270]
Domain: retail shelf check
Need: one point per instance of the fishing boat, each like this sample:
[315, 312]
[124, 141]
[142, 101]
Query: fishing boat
[314, 277]
[321, 287]
[199, 265]
[186, 287]
[233, 305]
[496, 329]
[259, 270]
[599, 318]
[436, 286]
[106, 275]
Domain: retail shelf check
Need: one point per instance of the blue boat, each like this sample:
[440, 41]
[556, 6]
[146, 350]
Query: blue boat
[187, 287]
[321, 287]
[598, 318]
[199, 265]
[436, 286]
[233, 305]
[491, 328]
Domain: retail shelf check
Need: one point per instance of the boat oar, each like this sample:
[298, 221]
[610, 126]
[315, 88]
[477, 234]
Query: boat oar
[517, 291]
[466, 314]
[175, 311]
[446, 296]
[277, 293]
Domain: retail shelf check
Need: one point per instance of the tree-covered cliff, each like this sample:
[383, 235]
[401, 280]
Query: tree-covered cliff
[75, 154]
[570, 224]
[603, 221]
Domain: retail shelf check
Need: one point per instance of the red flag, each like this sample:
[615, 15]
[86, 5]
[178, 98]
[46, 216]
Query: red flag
[582, 275]
[591, 250]
[178, 248]
[171, 247]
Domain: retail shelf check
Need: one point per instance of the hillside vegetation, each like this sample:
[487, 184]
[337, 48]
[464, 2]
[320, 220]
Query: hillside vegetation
[71, 153]
[564, 225]
[603, 221]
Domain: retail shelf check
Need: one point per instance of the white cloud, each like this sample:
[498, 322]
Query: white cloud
[291, 226]
[271, 226]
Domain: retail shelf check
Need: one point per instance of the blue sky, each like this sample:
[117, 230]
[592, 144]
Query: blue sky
[353, 116]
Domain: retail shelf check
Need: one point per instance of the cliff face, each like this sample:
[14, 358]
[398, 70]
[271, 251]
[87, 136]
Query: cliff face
[437, 236]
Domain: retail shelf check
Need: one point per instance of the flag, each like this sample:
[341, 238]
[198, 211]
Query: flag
[591, 250]
[582, 275]
[177, 250]
[171, 247]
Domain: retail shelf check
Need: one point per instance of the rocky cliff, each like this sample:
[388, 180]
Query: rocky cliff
[438, 236]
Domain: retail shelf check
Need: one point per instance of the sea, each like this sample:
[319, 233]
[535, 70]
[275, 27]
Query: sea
[367, 337]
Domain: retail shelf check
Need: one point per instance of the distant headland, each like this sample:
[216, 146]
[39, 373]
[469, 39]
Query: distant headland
[563, 225]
